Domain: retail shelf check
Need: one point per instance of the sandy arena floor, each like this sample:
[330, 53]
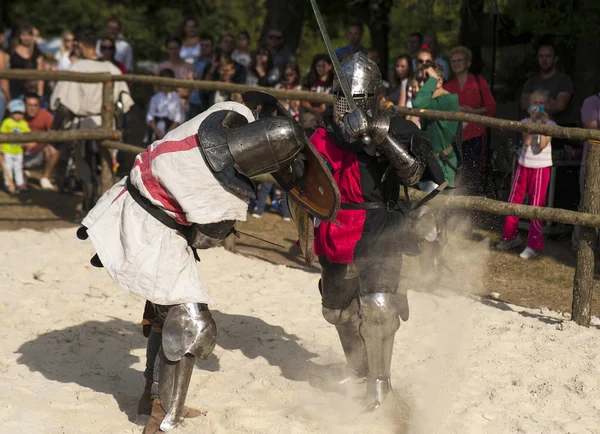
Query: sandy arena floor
[72, 356]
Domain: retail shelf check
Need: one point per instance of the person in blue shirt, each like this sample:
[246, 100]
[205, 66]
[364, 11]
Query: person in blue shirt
[354, 34]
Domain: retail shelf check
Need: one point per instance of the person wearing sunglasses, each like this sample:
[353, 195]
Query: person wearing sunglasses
[107, 50]
[66, 45]
[123, 50]
[282, 55]
[423, 55]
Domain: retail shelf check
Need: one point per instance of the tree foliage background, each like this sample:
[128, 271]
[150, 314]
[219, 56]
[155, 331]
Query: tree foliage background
[387, 23]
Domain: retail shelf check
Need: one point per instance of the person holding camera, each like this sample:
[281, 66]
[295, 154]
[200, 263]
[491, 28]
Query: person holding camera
[532, 176]
[431, 95]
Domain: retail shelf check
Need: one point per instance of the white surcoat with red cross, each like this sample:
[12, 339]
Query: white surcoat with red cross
[141, 254]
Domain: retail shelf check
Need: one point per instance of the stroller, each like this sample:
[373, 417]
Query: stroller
[65, 175]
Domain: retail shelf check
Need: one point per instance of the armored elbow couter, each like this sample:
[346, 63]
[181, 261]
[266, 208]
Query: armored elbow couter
[408, 165]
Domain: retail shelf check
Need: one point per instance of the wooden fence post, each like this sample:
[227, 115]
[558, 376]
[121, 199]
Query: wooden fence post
[107, 177]
[583, 284]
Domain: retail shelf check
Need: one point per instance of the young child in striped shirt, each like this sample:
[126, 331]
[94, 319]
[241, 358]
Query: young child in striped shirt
[532, 176]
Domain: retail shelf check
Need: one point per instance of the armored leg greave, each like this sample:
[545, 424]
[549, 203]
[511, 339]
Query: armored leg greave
[347, 324]
[189, 331]
[379, 314]
[173, 383]
[340, 286]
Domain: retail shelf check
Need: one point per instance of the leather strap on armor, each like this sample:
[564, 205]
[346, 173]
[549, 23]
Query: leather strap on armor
[389, 206]
[161, 215]
[150, 208]
[364, 205]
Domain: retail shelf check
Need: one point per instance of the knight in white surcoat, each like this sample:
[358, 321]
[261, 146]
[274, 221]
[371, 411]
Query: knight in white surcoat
[186, 192]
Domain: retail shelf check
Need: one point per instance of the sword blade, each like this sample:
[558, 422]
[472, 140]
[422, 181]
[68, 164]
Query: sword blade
[334, 59]
[258, 238]
[431, 195]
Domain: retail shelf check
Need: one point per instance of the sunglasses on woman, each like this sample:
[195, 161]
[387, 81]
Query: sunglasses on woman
[107, 47]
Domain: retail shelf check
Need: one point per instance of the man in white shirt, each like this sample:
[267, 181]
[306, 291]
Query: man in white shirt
[84, 101]
[124, 52]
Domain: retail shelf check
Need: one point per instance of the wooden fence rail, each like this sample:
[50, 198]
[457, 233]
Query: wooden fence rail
[61, 136]
[477, 203]
[501, 124]
[590, 219]
[25, 74]
[506, 125]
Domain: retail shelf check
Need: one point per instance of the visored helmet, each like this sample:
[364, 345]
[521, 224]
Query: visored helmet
[364, 79]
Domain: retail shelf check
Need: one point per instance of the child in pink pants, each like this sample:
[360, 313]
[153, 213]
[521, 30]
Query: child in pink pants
[532, 176]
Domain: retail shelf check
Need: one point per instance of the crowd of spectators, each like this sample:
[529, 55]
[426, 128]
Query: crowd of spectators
[422, 77]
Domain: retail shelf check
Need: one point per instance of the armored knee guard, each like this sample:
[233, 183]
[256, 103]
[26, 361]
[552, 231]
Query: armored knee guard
[189, 331]
[347, 324]
[379, 314]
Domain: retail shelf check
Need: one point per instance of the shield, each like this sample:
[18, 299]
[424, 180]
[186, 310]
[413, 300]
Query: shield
[316, 191]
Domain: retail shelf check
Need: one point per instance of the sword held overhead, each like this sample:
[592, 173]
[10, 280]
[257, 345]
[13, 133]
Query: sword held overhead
[338, 69]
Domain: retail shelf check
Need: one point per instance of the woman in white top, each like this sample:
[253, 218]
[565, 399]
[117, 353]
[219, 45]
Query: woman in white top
[261, 71]
[242, 53]
[66, 45]
[190, 41]
[403, 72]
[66, 54]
